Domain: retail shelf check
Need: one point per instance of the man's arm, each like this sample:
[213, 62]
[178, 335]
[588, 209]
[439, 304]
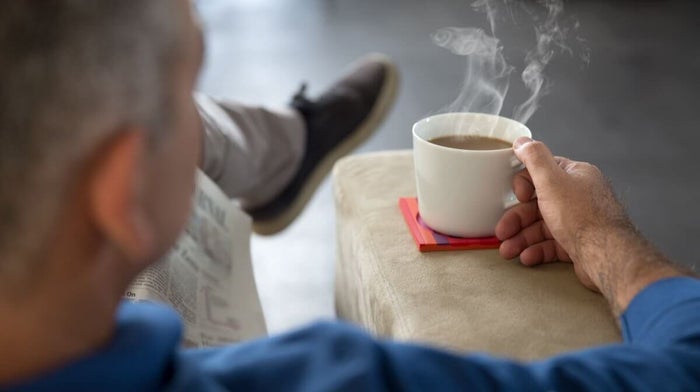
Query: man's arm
[621, 263]
[663, 324]
[568, 212]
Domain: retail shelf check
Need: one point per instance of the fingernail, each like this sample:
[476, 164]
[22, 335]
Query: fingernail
[521, 141]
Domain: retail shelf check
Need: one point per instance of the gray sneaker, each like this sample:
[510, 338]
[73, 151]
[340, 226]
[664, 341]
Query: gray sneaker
[337, 122]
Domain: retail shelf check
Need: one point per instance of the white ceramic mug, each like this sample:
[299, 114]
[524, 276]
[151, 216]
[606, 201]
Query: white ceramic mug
[461, 192]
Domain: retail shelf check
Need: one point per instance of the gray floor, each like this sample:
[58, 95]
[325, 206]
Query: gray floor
[633, 111]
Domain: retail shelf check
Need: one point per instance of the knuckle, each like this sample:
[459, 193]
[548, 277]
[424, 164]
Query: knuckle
[592, 168]
[547, 178]
[594, 172]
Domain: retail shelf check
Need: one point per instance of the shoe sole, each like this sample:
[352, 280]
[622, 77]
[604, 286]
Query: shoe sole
[366, 129]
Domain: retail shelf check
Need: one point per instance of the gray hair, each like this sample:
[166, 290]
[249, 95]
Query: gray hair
[71, 71]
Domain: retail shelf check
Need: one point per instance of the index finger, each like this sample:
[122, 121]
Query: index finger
[524, 187]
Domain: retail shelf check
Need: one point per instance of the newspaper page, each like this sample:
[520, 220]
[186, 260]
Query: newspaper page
[208, 276]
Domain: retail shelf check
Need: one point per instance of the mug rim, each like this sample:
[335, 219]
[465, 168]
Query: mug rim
[467, 114]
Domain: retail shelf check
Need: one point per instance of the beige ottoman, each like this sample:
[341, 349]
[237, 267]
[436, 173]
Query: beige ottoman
[461, 300]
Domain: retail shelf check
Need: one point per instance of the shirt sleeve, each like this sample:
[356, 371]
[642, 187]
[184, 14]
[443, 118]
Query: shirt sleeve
[665, 313]
[661, 352]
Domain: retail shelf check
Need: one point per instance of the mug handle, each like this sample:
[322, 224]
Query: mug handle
[510, 199]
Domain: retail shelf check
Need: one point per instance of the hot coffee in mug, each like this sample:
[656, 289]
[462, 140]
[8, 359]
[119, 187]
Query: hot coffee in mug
[464, 164]
[468, 142]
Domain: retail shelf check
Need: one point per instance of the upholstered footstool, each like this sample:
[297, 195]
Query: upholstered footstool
[462, 300]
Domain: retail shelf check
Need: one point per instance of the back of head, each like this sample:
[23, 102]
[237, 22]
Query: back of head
[71, 73]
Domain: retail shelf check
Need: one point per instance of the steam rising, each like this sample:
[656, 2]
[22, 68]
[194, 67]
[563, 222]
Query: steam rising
[549, 37]
[488, 73]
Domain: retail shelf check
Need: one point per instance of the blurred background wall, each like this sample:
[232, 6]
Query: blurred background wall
[633, 110]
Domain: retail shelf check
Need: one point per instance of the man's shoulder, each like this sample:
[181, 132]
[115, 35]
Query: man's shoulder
[145, 339]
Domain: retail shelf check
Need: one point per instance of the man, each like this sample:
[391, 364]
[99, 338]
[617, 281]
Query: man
[99, 140]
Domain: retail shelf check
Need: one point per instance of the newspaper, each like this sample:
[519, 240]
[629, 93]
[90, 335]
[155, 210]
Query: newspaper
[207, 276]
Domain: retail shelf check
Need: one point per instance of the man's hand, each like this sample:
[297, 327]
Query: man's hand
[572, 199]
[568, 212]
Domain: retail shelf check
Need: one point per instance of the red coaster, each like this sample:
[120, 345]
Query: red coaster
[430, 241]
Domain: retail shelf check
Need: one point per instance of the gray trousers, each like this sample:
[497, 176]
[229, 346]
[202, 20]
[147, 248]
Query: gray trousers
[252, 153]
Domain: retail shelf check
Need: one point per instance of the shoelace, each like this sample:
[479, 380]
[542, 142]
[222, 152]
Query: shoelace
[299, 100]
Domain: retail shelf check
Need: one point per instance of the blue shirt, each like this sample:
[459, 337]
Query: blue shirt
[661, 351]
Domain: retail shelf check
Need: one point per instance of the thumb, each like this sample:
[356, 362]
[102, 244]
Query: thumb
[537, 158]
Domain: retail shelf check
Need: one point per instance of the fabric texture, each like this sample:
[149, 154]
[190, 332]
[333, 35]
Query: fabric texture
[662, 352]
[251, 152]
[464, 300]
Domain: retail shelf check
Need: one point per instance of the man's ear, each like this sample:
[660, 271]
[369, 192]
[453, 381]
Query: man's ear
[117, 194]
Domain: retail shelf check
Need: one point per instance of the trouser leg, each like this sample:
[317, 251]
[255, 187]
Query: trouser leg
[252, 153]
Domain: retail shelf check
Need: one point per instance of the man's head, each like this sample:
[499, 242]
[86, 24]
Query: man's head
[98, 133]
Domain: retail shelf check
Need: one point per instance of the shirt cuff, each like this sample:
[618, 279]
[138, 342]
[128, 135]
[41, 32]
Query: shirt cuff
[666, 311]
